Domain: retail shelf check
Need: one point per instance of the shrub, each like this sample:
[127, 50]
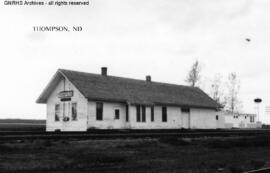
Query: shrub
[236, 169]
[5, 148]
[57, 130]
[39, 143]
[258, 141]
[262, 140]
[175, 141]
[64, 142]
[47, 143]
[257, 164]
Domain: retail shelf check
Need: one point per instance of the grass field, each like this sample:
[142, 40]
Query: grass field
[167, 154]
[22, 125]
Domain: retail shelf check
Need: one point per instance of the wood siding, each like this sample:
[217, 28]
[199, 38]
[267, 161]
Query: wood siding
[87, 117]
[80, 124]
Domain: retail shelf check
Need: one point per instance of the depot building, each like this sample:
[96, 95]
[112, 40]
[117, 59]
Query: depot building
[77, 101]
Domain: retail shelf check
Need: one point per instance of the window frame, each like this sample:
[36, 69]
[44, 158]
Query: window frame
[252, 119]
[76, 109]
[117, 114]
[127, 113]
[164, 114]
[143, 119]
[57, 112]
[138, 113]
[185, 110]
[99, 111]
[152, 114]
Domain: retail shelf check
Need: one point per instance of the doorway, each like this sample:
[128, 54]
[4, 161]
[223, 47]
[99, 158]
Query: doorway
[185, 114]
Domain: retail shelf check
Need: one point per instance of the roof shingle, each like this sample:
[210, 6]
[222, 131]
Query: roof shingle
[111, 88]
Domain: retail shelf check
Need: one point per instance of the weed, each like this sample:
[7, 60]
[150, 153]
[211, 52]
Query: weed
[6, 148]
[174, 141]
[258, 141]
[257, 164]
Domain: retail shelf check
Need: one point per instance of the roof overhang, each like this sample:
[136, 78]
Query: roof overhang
[58, 76]
[108, 100]
[151, 104]
[187, 106]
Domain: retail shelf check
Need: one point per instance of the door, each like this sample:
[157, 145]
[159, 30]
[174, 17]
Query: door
[185, 120]
[66, 115]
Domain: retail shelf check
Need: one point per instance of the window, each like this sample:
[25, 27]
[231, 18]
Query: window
[138, 113]
[117, 114]
[99, 111]
[187, 110]
[57, 112]
[143, 114]
[74, 111]
[252, 119]
[127, 113]
[152, 113]
[164, 114]
[216, 117]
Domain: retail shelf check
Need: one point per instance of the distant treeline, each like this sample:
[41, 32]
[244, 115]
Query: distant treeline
[30, 121]
[22, 125]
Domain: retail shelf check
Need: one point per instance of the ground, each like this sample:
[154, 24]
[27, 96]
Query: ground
[167, 154]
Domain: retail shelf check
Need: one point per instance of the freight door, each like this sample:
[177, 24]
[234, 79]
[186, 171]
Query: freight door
[185, 114]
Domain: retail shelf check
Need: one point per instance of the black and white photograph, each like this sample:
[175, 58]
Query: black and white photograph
[169, 86]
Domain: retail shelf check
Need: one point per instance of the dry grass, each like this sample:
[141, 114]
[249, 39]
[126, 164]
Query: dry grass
[136, 155]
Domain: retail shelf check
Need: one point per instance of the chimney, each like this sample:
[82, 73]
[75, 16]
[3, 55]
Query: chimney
[104, 71]
[148, 78]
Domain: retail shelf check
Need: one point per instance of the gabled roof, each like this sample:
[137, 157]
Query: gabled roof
[133, 91]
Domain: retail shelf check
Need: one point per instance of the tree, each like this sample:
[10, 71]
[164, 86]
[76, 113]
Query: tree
[216, 90]
[233, 85]
[194, 74]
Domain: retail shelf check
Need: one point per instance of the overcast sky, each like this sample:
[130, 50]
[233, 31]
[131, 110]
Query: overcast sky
[134, 38]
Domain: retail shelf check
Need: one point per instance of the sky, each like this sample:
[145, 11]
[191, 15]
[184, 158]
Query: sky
[134, 38]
